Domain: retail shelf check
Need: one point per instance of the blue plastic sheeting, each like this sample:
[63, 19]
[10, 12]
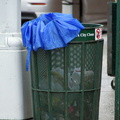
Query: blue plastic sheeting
[49, 31]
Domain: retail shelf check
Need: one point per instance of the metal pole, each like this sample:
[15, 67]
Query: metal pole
[117, 79]
[15, 96]
[10, 15]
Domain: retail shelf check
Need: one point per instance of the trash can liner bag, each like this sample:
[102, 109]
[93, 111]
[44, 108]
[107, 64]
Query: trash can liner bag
[49, 31]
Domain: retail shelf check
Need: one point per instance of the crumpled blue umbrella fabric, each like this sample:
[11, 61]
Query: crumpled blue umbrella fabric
[49, 31]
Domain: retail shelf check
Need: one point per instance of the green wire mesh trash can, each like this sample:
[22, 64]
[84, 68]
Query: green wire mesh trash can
[66, 81]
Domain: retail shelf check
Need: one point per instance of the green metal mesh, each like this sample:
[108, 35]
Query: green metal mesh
[66, 81]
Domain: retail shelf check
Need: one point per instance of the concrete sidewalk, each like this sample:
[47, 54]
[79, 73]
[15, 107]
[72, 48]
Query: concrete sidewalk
[107, 93]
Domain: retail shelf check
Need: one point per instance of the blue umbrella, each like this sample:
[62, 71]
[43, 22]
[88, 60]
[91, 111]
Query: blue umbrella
[49, 31]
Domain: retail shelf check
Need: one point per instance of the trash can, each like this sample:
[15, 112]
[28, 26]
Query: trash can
[111, 38]
[66, 81]
[111, 41]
